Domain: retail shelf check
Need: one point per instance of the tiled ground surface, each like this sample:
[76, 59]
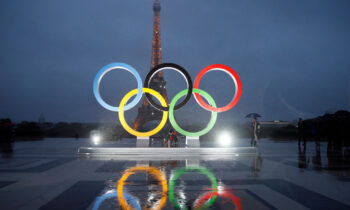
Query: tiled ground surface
[48, 175]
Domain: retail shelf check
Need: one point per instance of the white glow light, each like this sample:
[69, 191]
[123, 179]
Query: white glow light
[225, 139]
[96, 138]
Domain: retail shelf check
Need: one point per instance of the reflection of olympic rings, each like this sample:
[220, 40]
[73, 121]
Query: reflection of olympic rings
[235, 79]
[187, 170]
[175, 67]
[163, 106]
[114, 194]
[199, 203]
[126, 126]
[177, 127]
[152, 170]
[104, 71]
[203, 202]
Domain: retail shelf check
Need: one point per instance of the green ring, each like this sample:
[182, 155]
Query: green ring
[188, 170]
[187, 133]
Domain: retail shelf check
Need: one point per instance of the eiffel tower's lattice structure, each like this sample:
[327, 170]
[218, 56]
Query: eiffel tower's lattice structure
[147, 112]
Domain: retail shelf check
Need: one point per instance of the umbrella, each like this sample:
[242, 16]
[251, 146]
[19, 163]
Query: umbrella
[253, 115]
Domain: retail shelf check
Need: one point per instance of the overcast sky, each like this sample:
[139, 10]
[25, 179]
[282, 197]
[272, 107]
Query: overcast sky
[292, 56]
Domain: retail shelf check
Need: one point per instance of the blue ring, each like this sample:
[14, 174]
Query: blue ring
[106, 69]
[112, 194]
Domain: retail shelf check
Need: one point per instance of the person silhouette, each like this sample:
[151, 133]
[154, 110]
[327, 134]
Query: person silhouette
[172, 138]
[255, 129]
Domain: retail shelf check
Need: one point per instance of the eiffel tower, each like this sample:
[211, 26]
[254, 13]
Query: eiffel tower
[147, 112]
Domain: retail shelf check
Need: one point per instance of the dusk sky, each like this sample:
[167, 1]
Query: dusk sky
[292, 56]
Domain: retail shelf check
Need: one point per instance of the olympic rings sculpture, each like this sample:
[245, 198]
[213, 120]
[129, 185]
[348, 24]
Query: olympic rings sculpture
[126, 126]
[124, 105]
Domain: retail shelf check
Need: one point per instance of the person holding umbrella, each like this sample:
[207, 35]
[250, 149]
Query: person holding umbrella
[255, 129]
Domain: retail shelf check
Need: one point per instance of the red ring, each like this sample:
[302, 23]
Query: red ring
[238, 88]
[224, 194]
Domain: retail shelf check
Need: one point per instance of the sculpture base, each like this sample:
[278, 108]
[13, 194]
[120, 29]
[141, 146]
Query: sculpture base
[165, 153]
[192, 141]
[142, 142]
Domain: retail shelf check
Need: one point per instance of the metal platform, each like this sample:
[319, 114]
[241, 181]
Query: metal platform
[171, 153]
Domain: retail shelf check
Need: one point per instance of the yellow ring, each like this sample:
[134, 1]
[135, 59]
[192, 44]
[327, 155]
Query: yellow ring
[152, 170]
[126, 126]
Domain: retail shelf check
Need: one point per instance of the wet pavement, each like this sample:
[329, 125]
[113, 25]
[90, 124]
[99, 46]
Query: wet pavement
[49, 174]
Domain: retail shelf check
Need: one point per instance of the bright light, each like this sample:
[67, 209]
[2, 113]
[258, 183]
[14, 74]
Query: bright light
[225, 139]
[96, 138]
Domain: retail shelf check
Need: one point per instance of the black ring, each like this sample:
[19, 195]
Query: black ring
[173, 66]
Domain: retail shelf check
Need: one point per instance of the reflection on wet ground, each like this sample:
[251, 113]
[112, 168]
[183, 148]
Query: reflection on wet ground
[283, 175]
[159, 190]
